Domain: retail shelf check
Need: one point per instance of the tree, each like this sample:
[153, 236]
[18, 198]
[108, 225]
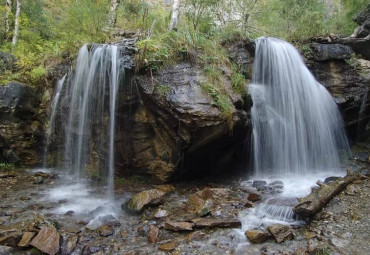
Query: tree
[16, 24]
[113, 12]
[175, 15]
[200, 10]
[8, 8]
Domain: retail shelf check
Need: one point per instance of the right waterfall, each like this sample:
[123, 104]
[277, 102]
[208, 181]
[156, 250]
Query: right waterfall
[297, 126]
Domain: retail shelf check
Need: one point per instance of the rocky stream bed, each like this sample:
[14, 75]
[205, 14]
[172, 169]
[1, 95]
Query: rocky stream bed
[43, 211]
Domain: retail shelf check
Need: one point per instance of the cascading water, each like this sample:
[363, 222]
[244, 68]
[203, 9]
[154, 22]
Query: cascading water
[297, 127]
[85, 103]
[298, 133]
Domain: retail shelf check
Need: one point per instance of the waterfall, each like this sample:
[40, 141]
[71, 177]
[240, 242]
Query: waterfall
[297, 127]
[85, 106]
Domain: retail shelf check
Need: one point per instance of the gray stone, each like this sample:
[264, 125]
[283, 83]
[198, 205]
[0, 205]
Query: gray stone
[324, 52]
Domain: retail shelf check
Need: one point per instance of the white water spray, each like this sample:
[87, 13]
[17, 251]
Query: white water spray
[86, 104]
[297, 127]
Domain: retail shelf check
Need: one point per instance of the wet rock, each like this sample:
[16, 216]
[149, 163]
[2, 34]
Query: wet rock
[257, 236]
[38, 180]
[153, 234]
[205, 208]
[142, 200]
[69, 245]
[178, 226]
[324, 52]
[331, 179]
[338, 242]
[254, 197]
[196, 236]
[91, 249]
[160, 213]
[26, 239]
[47, 240]
[281, 232]
[24, 198]
[168, 247]
[216, 223]
[69, 213]
[258, 184]
[105, 230]
[4, 250]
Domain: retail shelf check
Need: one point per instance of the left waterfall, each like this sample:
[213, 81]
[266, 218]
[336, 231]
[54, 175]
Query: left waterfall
[83, 113]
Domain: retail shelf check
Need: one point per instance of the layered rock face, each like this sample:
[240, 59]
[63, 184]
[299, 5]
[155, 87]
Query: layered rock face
[360, 39]
[21, 126]
[172, 126]
[350, 91]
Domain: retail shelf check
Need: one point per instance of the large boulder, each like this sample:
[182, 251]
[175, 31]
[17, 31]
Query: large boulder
[323, 52]
[21, 128]
[173, 126]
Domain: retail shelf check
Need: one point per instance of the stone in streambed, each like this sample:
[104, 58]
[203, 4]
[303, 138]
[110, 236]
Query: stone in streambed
[47, 240]
[105, 230]
[26, 239]
[257, 236]
[69, 245]
[178, 226]
[254, 196]
[5, 249]
[153, 234]
[196, 236]
[160, 213]
[168, 247]
[144, 199]
[216, 223]
[281, 232]
[259, 184]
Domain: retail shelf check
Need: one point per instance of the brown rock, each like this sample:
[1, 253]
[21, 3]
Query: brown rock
[178, 226]
[153, 234]
[140, 201]
[254, 197]
[47, 240]
[26, 239]
[196, 236]
[281, 232]
[168, 247]
[105, 230]
[216, 223]
[257, 236]
[166, 188]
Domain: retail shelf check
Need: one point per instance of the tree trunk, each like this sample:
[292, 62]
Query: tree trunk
[318, 198]
[175, 15]
[8, 9]
[113, 12]
[16, 24]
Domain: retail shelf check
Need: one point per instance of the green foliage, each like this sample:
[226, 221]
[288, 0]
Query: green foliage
[163, 89]
[238, 82]
[220, 99]
[7, 166]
